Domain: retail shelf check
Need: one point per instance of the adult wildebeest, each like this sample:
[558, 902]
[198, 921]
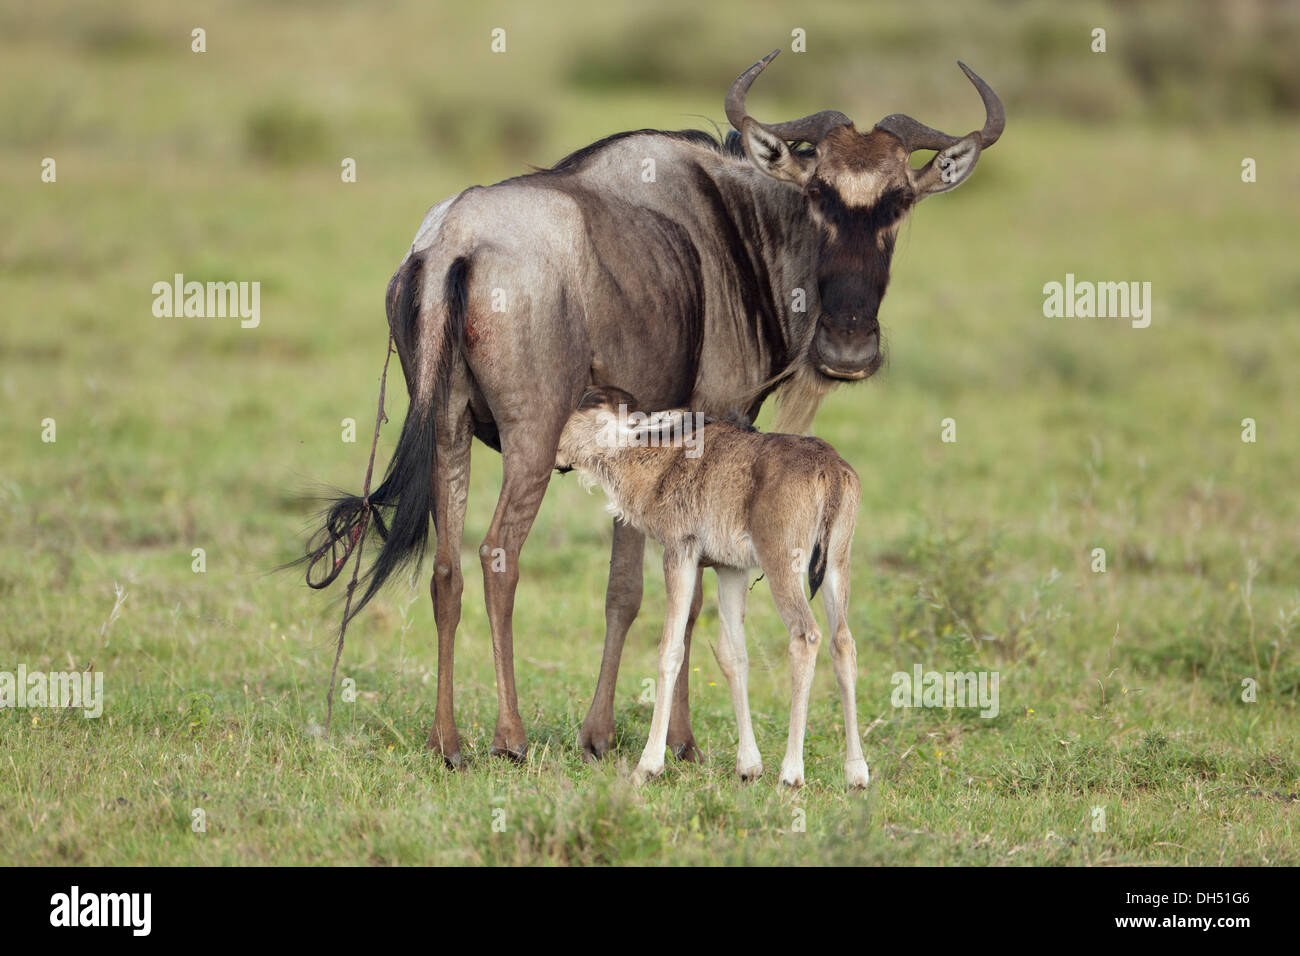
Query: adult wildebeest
[732, 270]
[722, 495]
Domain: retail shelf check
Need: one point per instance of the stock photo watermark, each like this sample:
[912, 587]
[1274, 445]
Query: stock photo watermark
[1098, 300]
[57, 690]
[668, 429]
[208, 300]
[129, 910]
[964, 689]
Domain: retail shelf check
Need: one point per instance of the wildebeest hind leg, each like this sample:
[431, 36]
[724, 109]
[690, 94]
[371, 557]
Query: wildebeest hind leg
[528, 455]
[450, 491]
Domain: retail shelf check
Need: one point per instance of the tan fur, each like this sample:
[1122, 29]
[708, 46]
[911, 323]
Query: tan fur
[799, 398]
[861, 166]
[748, 500]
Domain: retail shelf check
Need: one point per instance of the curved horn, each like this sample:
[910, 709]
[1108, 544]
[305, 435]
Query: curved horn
[809, 129]
[995, 117]
[735, 104]
[916, 135]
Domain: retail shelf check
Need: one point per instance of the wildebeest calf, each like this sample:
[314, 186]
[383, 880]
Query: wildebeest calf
[719, 494]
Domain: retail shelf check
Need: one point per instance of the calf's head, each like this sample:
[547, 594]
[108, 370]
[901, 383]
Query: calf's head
[856, 189]
[607, 421]
[592, 426]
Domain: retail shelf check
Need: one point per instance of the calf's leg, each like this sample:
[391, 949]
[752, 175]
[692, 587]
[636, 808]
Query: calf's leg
[679, 576]
[733, 658]
[681, 740]
[787, 590]
[844, 655]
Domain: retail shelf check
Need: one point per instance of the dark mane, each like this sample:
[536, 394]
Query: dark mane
[726, 147]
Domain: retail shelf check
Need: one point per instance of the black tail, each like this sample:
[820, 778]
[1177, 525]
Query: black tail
[822, 544]
[403, 504]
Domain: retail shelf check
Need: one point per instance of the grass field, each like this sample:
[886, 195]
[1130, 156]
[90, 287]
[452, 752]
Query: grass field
[1119, 690]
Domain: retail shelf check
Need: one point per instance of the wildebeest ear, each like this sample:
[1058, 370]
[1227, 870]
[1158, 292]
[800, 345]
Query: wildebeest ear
[770, 154]
[948, 169]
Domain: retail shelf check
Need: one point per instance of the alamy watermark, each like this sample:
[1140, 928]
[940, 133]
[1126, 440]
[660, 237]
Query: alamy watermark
[946, 689]
[210, 300]
[69, 690]
[130, 910]
[676, 428]
[1099, 300]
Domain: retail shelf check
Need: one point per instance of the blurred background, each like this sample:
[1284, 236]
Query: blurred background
[175, 434]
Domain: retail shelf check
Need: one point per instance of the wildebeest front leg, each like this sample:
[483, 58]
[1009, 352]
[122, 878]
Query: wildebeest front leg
[681, 741]
[680, 574]
[622, 602]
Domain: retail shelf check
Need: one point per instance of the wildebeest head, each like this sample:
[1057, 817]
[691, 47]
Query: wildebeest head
[857, 187]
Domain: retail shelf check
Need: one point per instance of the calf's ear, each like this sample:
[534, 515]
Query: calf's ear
[597, 396]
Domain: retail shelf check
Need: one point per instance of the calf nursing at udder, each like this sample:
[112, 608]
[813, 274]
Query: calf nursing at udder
[722, 495]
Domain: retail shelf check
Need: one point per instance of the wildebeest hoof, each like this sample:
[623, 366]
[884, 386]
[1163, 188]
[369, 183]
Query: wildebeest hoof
[750, 773]
[687, 751]
[595, 745]
[505, 750]
[446, 746]
[792, 777]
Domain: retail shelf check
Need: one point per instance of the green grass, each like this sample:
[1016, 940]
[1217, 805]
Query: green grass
[1119, 690]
